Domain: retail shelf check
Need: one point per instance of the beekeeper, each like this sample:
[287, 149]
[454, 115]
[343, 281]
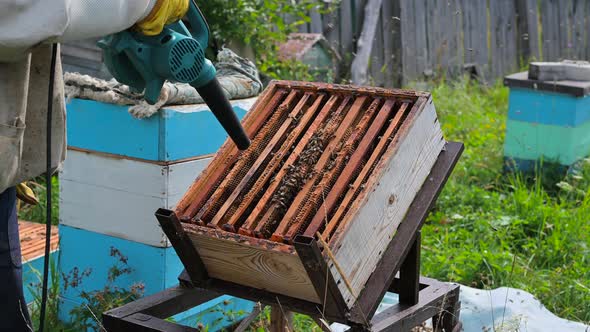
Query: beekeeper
[27, 29]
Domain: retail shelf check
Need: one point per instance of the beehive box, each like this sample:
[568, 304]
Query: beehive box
[338, 162]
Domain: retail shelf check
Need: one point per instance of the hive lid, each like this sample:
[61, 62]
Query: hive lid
[573, 88]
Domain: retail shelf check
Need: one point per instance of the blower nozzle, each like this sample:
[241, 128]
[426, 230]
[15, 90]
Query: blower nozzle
[213, 95]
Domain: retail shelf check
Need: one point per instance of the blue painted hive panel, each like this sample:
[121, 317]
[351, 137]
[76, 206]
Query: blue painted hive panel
[176, 132]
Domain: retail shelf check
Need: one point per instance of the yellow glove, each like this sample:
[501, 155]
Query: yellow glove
[26, 194]
[164, 12]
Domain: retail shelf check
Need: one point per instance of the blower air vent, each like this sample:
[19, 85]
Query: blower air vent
[186, 60]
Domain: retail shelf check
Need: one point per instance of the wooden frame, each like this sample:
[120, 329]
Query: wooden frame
[420, 298]
[336, 162]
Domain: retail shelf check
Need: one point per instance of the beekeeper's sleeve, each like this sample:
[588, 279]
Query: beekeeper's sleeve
[26, 23]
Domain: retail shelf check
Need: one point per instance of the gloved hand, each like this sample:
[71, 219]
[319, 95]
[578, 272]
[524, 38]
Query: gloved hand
[26, 194]
[164, 12]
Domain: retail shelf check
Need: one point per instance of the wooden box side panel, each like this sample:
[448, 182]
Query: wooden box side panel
[254, 266]
[360, 245]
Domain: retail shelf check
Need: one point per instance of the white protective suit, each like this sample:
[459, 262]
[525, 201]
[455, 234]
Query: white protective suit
[27, 27]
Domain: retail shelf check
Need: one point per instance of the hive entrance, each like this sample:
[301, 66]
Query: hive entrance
[312, 152]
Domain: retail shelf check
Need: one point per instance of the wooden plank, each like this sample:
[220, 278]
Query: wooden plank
[256, 266]
[280, 320]
[364, 44]
[443, 25]
[587, 30]
[358, 21]
[186, 251]
[378, 212]
[414, 42]
[578, 29]
[245, 323]
[330, 26]
[390, 67]
[433, 299]
[317, 269]
[265, 155]
[378, 53]
[383, 276]
[165, 303]
[316, 24]
[32, 240]
[345, 28]
[550, 29]
[565, 27]
[475, 32]
[409, 275]
[528, 29]
[504, 58]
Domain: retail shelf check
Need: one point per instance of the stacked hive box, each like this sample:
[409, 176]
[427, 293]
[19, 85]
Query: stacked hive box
[118, 172]
[548, 121]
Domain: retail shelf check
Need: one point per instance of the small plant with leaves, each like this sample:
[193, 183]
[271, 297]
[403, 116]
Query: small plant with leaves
[87, 316]
[263, 25]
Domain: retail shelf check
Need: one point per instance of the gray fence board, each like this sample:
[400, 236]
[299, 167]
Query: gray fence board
[418, 37]
[389, 65]
[528, 29]
[578, 33]
[475, 32]
[550, 29]
[504, 57]
[377, 55]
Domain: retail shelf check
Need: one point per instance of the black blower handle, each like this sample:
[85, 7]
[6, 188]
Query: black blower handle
[213, 95]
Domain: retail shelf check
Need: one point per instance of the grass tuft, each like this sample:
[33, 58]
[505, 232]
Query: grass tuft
[491, 229]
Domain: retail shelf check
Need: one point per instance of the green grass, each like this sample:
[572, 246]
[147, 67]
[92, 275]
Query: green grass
[489, 229]
[37, 213]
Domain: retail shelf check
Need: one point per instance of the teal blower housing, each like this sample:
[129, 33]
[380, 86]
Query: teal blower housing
[145, 62]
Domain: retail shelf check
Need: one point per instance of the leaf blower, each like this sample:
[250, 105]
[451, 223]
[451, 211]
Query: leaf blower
[145, 62]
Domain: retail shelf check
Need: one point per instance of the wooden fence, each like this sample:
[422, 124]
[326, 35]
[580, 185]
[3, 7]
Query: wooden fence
[421, 38]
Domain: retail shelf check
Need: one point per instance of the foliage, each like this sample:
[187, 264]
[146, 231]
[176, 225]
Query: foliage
[491, 229]
[224, 316]
[37, 213]
[300, 322]
[261, 24]
[52, 322]
[87, 316]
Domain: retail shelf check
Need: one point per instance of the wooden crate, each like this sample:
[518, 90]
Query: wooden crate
[338, 164]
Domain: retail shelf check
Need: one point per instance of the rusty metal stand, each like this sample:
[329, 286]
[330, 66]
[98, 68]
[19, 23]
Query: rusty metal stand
[398, 271]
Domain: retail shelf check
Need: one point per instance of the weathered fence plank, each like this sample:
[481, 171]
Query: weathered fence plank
[578, 26]
[419, 38]
[475, 33]
[378, 54]
[528, 29]
[346, 30]
[414, 43]
[366, 42]
[390, 68]
[443, 36]
[550, 29]
[315, 26]
[504, 57]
